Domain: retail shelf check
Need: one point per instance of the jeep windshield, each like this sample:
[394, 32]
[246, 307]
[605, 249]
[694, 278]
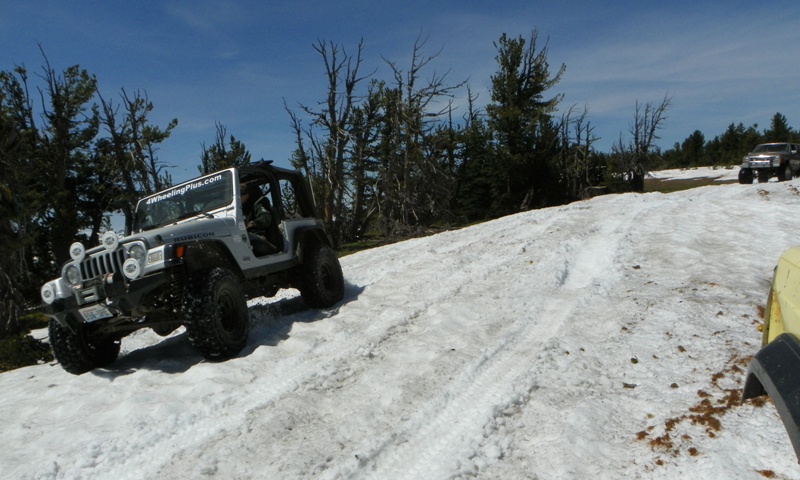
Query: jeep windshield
[772, 148]
[193, 198]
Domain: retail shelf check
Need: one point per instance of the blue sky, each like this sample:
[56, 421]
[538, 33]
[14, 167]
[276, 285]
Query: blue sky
[235, 62]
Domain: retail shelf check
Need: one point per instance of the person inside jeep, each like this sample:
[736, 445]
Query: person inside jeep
[258, 219]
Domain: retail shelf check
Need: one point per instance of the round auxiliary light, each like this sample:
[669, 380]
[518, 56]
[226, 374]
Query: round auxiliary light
[109, 240]
[72, 275]
[48, 294]
[131, 268]
[77, 251]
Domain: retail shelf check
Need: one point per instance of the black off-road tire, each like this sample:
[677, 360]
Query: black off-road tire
[745, 176]
[78, 354]
[322, 284]
[785, 173]
[217, 321]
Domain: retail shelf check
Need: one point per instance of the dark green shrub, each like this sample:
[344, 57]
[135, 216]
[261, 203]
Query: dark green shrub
[22, 350]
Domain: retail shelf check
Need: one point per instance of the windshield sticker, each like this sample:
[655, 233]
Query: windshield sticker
[167, 194]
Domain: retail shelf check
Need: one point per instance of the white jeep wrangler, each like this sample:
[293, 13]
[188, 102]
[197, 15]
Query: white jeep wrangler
[189, 261]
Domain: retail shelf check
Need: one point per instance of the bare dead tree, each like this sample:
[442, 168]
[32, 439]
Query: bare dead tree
[327, 155]
[411, 180]
[576, 137]
[636, 155]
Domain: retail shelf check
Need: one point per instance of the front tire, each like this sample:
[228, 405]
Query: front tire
[217, 321]
[77, 353]
[322, 284]
[745, 176]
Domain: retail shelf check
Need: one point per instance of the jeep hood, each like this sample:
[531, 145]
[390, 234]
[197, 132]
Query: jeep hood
[195, 229]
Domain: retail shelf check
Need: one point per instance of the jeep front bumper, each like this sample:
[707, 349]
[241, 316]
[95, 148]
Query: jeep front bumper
[106, 297]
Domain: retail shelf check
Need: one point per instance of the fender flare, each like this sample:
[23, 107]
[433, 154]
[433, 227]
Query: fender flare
[773, 372]
[304, 235]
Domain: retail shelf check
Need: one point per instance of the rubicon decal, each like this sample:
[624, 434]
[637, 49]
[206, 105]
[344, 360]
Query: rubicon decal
[194, 236]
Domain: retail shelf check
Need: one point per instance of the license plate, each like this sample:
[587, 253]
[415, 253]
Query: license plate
[95, 313]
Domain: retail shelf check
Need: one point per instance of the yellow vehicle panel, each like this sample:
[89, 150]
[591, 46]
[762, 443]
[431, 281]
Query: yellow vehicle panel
[783, 305]
[773, 370]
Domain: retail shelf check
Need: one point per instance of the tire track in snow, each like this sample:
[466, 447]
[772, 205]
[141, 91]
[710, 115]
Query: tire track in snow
[319, 367]
[452, 425]
[324, 365]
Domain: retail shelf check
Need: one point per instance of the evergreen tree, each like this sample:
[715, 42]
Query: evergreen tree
[733, 144]
[220, 156]
[693, 150]
[520, 119]
[67, 135]
[779, 130]
[19, 199]
[127, 158]
[476, 176]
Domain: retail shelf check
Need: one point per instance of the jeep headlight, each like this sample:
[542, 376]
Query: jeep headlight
[776, 161]
[133, 266]
[72, 275]
[138, 253]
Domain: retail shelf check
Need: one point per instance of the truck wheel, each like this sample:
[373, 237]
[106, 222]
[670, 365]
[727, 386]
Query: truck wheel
[78, 354]
[785, 174]
[745, 176]
[217, 322]
[322, 284]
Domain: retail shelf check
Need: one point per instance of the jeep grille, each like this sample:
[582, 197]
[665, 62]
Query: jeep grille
[103, 263]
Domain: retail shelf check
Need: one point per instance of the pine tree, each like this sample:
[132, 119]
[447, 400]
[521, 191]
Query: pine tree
[220, 155]
[128, 157]
[67, 135]
[520, 118]
[473, 192]
[18, 200]
[779, 130]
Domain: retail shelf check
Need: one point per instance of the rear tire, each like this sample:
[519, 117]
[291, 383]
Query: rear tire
[217, 321]
[77, 353]
[322, 282]
[785, 173]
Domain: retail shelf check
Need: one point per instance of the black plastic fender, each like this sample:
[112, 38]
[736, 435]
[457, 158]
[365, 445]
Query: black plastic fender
[311, 233]
[775, 371]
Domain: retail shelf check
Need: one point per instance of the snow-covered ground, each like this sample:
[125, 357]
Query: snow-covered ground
[608, 338]
[718, 174]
